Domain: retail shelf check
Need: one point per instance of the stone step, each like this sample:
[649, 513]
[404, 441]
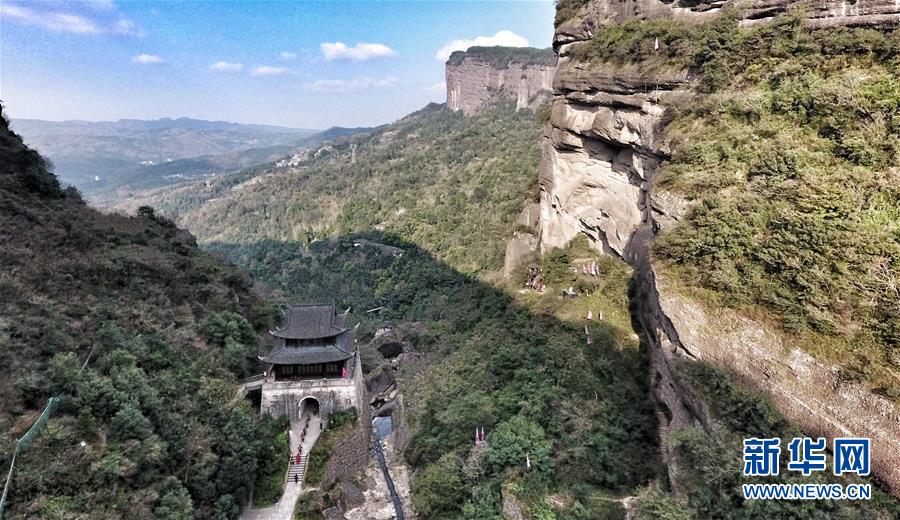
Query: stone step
[296, 469]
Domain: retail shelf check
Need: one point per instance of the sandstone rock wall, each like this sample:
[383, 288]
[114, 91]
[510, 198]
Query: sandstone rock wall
[882, 14]
[475, 82]
[524, 242]
[813, 394]
[601, 150]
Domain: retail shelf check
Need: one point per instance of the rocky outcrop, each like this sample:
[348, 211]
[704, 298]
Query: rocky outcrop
[484, 76]
[512, 508]
[812, 393]
[601, 149]
[525, 241]
[351, 451]
[882, 14]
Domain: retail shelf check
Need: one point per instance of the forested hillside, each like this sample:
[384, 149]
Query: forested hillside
[142, 337]
[516, 363]
[520, 367]
[789, 158]
[448, 183]
[769, 258]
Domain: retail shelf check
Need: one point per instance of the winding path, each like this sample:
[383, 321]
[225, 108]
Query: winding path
[284, 508]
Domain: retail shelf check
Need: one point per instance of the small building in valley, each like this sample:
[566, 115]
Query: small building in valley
[314, 365]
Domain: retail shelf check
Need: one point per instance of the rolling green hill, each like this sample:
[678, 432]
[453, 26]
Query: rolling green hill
[450, 184]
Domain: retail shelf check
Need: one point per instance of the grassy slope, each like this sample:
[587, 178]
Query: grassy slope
[161, 321]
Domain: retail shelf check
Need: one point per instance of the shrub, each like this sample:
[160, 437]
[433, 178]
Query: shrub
[130, 423]
[515, 440]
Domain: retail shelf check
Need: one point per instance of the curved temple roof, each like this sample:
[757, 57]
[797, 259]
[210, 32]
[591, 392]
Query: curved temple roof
[343, 347]
[311, 321]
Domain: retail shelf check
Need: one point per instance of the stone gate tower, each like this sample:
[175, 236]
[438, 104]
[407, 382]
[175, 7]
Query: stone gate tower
[315, 356]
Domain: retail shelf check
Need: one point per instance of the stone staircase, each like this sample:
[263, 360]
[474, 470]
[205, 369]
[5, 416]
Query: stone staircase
[297, 469]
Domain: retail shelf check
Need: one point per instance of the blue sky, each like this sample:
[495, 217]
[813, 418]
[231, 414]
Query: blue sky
[301, 64]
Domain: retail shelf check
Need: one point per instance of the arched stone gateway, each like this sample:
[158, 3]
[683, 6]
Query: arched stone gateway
[308, 405]
[315, 363]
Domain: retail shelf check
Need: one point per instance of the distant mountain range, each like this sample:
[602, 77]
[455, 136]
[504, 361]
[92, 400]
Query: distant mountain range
[109, 155]
[79, 127]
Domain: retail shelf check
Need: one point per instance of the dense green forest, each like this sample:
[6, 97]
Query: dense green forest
[582, 411]
[448, 183]
[142, 337]
[519, 365]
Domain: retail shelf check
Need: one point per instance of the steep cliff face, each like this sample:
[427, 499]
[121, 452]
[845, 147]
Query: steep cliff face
[603, 146]
[483, 76]
[576, 19]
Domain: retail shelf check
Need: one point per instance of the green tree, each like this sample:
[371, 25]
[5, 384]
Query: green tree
[516, 439]
[130, 423]
[175, 502]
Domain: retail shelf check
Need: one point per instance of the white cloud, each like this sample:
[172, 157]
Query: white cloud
[224, 66]
[147, 59]
[126, 27]
[502, 38]
[266, 70]
[288, 56]
[352, 85]
[50, 21]
[360, 52]
[60, 21]
[101, 5]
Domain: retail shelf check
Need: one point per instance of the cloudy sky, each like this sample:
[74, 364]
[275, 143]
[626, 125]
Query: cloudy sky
[301, 64]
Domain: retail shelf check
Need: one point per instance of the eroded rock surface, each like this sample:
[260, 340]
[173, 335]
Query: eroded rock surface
[377, 502]
[477, 79]
[601, 150]
[881, 14]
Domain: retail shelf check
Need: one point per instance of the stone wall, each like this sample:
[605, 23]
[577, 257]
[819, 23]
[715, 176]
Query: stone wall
[351, 451]
[283, 398]
[475, 83]
[600, 152]
[351, 448]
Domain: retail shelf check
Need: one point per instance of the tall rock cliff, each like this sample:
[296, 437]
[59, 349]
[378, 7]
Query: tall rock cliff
[483, 76]
[602, 148]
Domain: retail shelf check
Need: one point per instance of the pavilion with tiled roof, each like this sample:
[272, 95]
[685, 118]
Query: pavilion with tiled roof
[313, 342]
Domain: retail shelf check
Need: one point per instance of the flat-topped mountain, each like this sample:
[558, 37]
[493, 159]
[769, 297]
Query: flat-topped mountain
[485, 76]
